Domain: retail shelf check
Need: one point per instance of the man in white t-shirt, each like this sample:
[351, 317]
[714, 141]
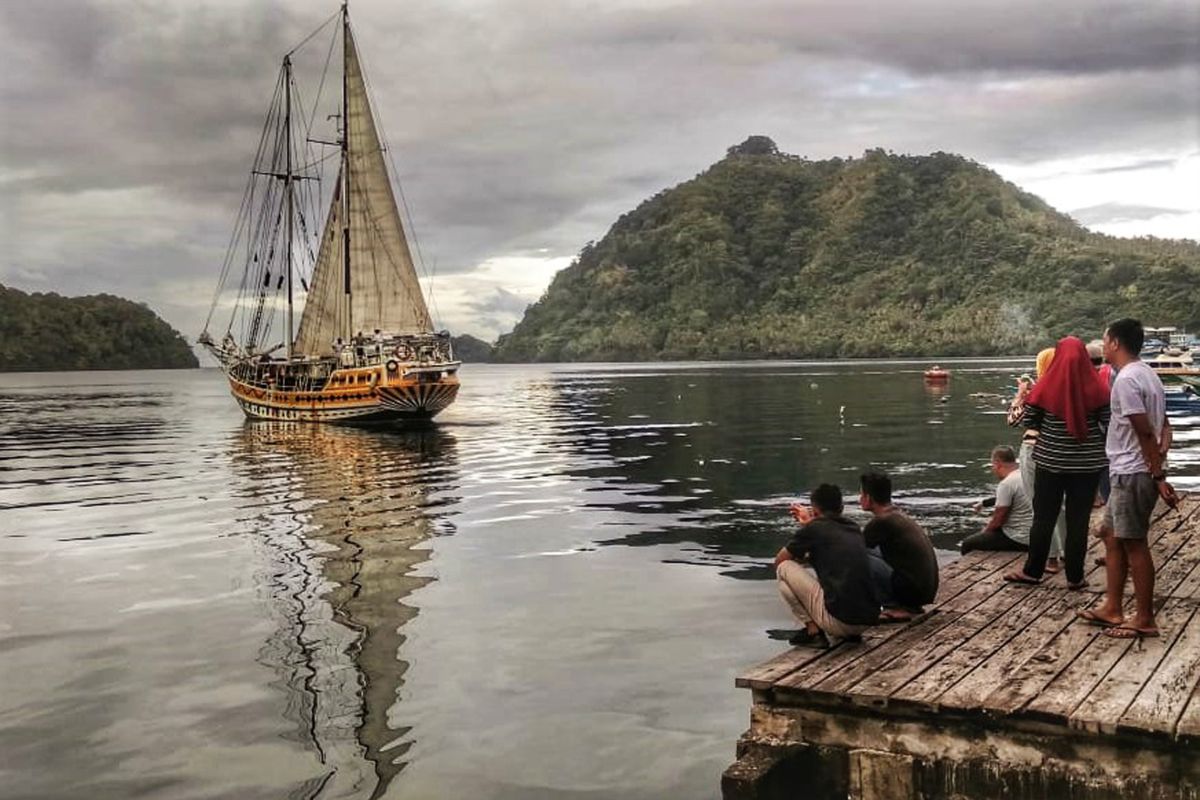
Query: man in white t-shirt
[1135, 464]
[1008, 528]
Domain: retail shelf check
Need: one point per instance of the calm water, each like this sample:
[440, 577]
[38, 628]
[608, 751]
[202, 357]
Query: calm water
[545, 596]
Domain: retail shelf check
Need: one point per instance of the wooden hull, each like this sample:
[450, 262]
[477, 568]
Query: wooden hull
[354, 399]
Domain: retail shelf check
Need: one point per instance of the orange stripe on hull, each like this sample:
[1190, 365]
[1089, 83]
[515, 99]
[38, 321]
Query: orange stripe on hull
[397, 401]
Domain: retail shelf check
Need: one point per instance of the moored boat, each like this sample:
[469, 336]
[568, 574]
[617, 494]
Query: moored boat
[365, 349]
[937, 374]
[1174, 365]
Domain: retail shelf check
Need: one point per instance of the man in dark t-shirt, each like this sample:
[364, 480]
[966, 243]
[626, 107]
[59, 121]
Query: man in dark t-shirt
[905, 566]
[839, 599]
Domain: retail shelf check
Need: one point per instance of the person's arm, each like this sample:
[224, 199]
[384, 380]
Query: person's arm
[797, 548]
[873, 533]
[985, 503]
[1165, 437]
[1032, 417]
[1150, 452]
[999, 517]
[1016, 409]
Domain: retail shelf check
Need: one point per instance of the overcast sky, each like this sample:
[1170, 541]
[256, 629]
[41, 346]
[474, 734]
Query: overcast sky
[523, 128]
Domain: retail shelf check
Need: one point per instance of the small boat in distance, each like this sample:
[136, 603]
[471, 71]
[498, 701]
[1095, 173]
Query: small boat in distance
[936, 374]
[365, 350]
[1174, 365]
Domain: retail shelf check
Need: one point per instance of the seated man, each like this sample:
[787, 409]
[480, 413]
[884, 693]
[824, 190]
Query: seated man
[1008, 528]
[839, 600]
[904, 567]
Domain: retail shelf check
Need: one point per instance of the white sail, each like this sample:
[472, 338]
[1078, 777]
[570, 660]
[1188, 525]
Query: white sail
[384, 291]
[325, 310]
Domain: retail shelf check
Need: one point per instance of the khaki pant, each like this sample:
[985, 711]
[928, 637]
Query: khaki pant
[802, 592]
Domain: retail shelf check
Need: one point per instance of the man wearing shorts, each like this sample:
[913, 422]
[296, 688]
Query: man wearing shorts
[1135, 464]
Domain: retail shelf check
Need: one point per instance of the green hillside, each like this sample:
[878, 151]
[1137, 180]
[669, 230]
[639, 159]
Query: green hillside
[50, 332]
[768, 255]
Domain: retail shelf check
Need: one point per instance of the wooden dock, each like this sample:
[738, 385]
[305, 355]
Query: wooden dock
[999, 690]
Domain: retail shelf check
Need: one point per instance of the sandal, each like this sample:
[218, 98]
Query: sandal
[1090, 616]
[1052, 569]
[783, 634]
[890, 616]
[1130, 632]
[1021, 578]
[1081, 586]
[805, 639]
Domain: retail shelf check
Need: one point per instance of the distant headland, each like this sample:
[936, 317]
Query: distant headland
[49, 332]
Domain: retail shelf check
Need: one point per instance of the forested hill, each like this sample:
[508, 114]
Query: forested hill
[767, 255]
[50, 332]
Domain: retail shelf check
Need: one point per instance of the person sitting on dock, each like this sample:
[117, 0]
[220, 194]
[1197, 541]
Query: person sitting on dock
[903, 563]
[1012, 515]
[1135, 455]
[839, 600]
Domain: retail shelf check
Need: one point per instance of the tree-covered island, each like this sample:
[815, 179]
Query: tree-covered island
[769, 255]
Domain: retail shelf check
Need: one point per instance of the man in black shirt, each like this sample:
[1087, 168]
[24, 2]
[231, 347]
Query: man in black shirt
[839, 600]
[905, 566]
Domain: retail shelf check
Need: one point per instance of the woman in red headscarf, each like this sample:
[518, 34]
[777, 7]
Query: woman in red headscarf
[1069, 409]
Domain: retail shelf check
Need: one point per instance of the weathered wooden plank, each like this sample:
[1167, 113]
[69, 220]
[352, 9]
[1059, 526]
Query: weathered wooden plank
[764, 675]
[904, 667]
[1043, 665]
[1069, 688]
[975, 668]
[1189, 721]
[1102, 707]
[1162, 700]
[1076, 681]
[976, 567]
[837, 660]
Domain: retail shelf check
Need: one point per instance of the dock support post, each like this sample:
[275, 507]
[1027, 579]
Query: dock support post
[876, 775]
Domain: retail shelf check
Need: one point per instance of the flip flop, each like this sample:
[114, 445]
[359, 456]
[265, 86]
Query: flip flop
[1092, 618]
[1077, 587]
[892, 616]
[1130, 632]
[1022, 578]
[783, 634]
[1051, 570]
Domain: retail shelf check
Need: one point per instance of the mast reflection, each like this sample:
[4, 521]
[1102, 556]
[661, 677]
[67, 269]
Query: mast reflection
[339, 516]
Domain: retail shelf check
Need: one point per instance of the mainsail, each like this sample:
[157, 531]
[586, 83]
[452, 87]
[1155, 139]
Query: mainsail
[384, 293]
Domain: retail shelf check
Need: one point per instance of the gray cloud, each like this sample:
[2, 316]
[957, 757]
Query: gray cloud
[1109, 213]
[527, 126]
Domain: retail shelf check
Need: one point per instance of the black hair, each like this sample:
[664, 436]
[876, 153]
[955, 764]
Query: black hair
[1004, 454]
[827, 498]
[877, 486]
[1129, 334]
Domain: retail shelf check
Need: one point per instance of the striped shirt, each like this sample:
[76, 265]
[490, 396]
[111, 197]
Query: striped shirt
[1058, 451]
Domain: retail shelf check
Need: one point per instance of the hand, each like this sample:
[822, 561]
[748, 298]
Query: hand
[1167, 492]
[800, 513]
[977, 508]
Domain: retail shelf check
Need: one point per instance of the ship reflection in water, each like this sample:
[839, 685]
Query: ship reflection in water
[343, 515]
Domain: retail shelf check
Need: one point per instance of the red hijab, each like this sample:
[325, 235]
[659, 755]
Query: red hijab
[1070, 389]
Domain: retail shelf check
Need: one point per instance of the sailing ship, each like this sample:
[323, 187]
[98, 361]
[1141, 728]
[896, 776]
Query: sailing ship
[365, 350]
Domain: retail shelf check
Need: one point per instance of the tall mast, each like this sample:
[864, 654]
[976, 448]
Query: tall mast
[288, 185]
[346, 170]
